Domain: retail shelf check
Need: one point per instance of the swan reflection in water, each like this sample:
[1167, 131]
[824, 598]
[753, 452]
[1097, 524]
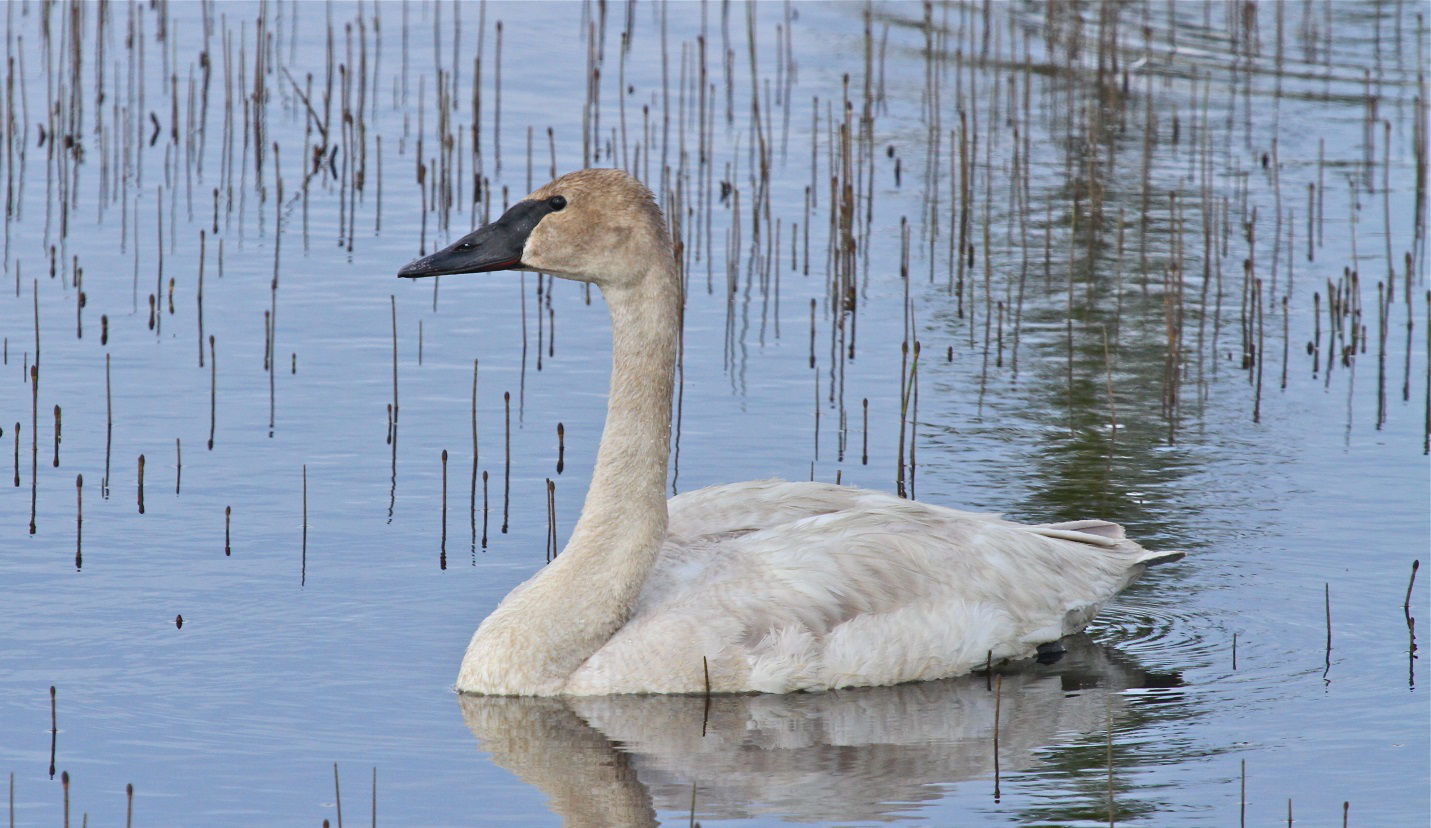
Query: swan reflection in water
[870, 753]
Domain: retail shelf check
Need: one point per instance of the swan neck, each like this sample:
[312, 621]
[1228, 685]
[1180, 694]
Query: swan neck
[548, 627]
[630, 471]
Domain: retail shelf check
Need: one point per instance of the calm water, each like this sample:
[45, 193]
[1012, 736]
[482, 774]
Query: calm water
[332, 632]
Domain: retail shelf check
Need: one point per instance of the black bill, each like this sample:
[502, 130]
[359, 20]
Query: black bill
[495, 246]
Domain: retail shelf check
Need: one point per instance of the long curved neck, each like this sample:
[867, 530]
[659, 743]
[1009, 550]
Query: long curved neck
[548, 626]
[628, 484]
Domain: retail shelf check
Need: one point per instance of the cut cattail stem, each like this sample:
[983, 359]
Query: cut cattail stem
[507, 461]
[141, 484]
[442, 561]
[337, 795]
[54, 731]
[998, 689]
[551, 520]
[1242, 796]
[865, 432]
[561, 447]
[108, 431]
[303, 560]
[472, 491]
[213, 383]
[79, 518]
[228, 514]
[393, 300]
[812, 333]
[1327, 595]
[34, 435]
[199, 299]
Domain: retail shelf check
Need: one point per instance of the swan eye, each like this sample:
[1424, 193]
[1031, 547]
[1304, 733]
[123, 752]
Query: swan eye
[556, 202]
[464, 246]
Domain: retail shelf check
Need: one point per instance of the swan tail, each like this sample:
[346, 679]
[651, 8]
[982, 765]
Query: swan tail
[1101, 528]
[1092, 532]
[1155, 558]
[1104, 534]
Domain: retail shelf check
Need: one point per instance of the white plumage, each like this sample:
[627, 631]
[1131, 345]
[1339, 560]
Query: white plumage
[810, 586]
[764, 586]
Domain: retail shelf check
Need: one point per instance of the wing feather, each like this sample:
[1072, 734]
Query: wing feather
[775, 586]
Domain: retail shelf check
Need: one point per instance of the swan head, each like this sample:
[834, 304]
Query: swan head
[589, 225]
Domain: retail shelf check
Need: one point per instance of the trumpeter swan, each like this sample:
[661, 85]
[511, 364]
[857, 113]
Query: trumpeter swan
[763, 586]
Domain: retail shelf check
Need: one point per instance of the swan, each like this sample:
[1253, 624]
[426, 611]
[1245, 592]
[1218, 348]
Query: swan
[765, 586]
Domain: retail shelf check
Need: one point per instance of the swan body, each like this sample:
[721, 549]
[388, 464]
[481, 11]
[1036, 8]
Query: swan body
[812, 586]
[764, 586]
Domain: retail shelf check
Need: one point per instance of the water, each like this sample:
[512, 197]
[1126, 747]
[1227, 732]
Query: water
[337, 642]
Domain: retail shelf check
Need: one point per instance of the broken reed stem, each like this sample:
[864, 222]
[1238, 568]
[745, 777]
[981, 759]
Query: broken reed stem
[998, 688]
[34, 433]
[1242, 797]
[904, 370]
[141, 484]
[1108, 731]
[1327, 593]
[471, 499]
[1415, 565]
[865, 431]
[213, 383]
[393, 300]
[443, 546]
[507, 459]
[199, 299]
[79, 517]
[337, 797]
[551, 521]
[561, 448]
[484, 508]
[303, 561]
